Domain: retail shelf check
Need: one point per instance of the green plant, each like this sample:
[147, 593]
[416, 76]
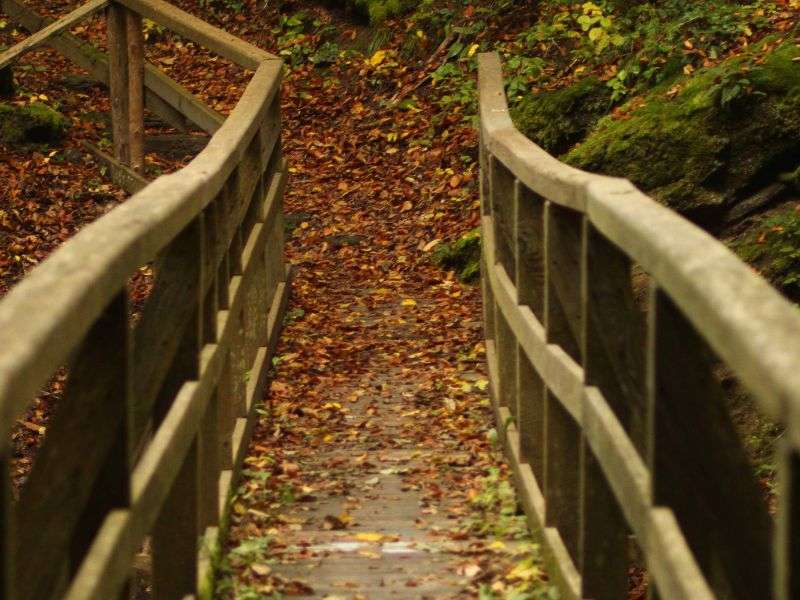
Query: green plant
[775, 248]
[234, 5]
[251, 550]
[599, 26]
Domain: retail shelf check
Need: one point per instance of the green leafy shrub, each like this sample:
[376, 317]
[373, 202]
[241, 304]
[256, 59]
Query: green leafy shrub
[379, 10]
[462, 256]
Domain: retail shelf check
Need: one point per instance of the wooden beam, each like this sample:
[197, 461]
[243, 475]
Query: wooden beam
[118, 81]
[135, 37]
[217, 40]
[163, 96]
[43, 35]
[59, 510]
[124, 176]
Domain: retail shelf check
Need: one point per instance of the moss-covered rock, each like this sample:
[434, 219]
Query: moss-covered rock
[557, 120]
[462, 256]
[705, 142]
[35, 123]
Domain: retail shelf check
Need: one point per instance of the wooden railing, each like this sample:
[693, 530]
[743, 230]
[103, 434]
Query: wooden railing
[609, 399]
[149, 436]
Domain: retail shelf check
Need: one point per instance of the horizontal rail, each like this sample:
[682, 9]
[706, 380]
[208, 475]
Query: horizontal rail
[67, 292]
[612, 415]
[225, 44]
[173, 390]
[55, 28]
[698, 271]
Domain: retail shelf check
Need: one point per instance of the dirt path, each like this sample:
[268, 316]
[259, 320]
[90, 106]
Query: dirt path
[373, 472]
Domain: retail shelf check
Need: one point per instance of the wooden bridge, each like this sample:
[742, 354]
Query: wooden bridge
[608, 319]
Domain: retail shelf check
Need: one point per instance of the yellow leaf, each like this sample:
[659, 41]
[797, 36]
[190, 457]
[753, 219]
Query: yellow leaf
[369, 537]
[409, 302]
[524, 572]
[377, 58]
[239, 508]
[473, 49]
[481, 384]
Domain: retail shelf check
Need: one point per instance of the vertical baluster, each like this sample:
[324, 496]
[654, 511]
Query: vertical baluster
[614, 351]
[694, 447]
[208, 439]
[502, 194]
[486, 210]
[529, 250]
[786, 555]
[176, 530]
[7, 537]
[119, 79]
[503, 215]
[608, 311]
[485, 171]
[135, 48]
[562, 326]
[59, 514]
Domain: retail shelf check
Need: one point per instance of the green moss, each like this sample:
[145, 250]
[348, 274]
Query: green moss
[462, 256]
[380, 10]
[557, 120]
[35, 123]
[773, 247]
[702, 147]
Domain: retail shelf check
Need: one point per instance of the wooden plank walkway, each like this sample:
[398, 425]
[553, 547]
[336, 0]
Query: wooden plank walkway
[362, 479]
[379, 464]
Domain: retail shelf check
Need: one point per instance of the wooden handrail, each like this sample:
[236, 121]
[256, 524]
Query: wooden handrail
[168, 402]
[616, 418]
[55, 28]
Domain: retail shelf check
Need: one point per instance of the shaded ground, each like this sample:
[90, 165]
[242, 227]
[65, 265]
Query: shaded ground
[373, 473]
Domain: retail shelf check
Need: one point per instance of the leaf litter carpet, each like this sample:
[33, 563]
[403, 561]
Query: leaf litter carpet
[374, 470]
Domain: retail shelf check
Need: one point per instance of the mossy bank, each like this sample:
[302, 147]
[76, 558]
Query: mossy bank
[702, 143]
[35, 123]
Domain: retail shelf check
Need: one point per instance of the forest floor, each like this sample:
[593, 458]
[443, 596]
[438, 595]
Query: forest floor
[374, 471]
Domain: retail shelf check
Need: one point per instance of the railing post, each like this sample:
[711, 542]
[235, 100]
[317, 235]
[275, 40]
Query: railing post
[176, 531]
[786, 552]
[118, 80]
[606, 307]
[502, 193]
[529, 251]
[208, 437]
[486, 210]
[58, 513]
[562, 327]
[693, 446]
[126, 84]
[7, 521]
[135, 38]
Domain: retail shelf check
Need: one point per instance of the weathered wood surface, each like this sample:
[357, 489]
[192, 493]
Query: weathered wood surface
[55, 28]
[223, 43]
[164, 97]
[125, 177]
[635, 437]
[154, 395]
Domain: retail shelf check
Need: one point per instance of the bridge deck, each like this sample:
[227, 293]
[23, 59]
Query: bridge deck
[380, 411]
